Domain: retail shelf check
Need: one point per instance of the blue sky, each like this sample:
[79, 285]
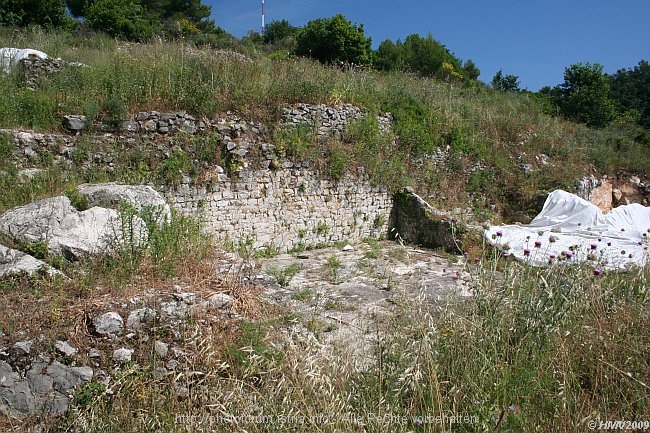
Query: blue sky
[533, 39]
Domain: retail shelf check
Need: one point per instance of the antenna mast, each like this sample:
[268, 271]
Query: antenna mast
[263, 28]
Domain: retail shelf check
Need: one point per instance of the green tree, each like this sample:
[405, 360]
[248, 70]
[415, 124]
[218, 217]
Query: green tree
[46, 13]
[505, 83]
[276, 31]
[470, 70]
[334, 40]
[584, 95]
[119, 18]
[170, 12]
[424, 56]
[630, 91]
[390, 56]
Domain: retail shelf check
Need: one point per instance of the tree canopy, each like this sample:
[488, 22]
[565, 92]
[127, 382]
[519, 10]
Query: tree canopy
[584, 95]
[630, 91]
[334, 40]
[505, 83]
[20, 13]
[423, 55]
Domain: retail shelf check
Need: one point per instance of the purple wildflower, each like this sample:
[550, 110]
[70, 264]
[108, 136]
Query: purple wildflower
[598, 271]
[594, 246]
[526, 252]
[538, 244]
[499, 233]
[569, 254]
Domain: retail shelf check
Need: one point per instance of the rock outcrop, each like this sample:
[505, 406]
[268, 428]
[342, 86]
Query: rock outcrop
[14, 262]
[608, 193]
[69, 232]
[415, 221]
[143, 198]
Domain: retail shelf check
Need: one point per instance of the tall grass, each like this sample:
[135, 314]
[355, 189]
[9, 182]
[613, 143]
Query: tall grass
[533, 350]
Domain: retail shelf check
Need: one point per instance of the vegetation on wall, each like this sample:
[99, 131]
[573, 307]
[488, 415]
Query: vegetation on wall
[486, 135]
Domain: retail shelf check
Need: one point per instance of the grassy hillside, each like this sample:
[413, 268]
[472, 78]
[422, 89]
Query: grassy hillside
[535, 350]
[491, 135]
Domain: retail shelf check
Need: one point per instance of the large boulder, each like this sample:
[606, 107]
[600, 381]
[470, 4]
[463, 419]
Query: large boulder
[43, 388]
[142, 197]
[72, 233]
[415, 221]
[15, 262]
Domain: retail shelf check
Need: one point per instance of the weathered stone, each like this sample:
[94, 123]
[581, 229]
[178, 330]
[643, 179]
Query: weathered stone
[65, 378]
[220, 300]
[141, 197]
[74, 123]
[174, 309]
[14, 262]
[8, 377]
[22, 348]
[415, 221]
[122, 355]
[142, 316]
[65, 348]
[130, 126]
[108, 323]
[45, 387]
[161, 348]
[601, 196]
[69, 232]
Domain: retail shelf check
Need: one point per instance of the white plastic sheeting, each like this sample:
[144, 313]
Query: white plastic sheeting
[572, 229]
[10, 57]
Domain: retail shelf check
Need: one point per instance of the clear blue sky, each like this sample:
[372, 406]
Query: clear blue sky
[533, 39]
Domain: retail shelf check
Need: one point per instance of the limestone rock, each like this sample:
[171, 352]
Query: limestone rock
[415, 221]
[161, 348]
[69, 232]
[122, 356]
[142, 197]
[220, 300]
[65, 348]
[14, 261]
[74, 123]
[44, 387]
[22, 348]
[108, 323]
[141, 316]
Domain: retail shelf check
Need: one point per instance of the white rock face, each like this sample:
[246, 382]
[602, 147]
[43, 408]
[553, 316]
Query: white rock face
[122, 356]
[69, 232]
[14, 261]
[142, 197]
[108, 323]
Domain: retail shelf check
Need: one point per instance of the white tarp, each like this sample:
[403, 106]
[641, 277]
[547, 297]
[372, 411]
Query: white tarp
[573, 229]
[11, 57]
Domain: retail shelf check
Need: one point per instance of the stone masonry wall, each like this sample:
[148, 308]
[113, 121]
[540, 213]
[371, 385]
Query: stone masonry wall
[285, 205]
[288, 209]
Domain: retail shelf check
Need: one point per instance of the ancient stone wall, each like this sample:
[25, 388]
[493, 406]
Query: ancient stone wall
[259, 197]
[288, 209]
